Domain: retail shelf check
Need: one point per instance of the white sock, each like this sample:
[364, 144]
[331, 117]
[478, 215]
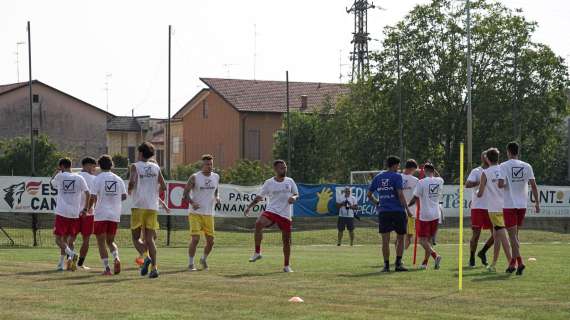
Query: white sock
[105, 263]
[190, 260]
[69, 252]
[115, 254]
[61, 259]
[204, 257]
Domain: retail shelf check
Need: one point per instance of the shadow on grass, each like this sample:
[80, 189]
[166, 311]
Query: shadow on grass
[492, 277]
[251, 274]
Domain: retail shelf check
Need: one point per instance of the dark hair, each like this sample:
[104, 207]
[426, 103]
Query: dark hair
[392, 160]
[65, 162]
[429, 166]
[513, 148]
[88, 160]
[493, 155]
[411, 164]
[147, 150]
[279, 161]
[207, 157]
[105, 162]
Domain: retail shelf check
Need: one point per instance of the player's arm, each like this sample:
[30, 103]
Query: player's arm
[161, 181]
[471, 184]
[534, 190]
[133, 177]
[252, 204]
[413, 201]
[482, 185]
[163, 205]
[501, 183]
[189, 186]
[403, 202]
[293, 198]
[217, 195]
[372, 198]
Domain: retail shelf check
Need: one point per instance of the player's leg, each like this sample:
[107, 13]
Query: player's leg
[149, 236]
[102, 245]
[475, 235]
[261, 223]
[386, 251]
[425, 243]
[208, 229]
[72, 260]
[195, 227]
[340, 227]
[136, 233]
[110, 238]
[351, 235]
[150, 226]
[86, 229]
[400, 224]
[286, 238]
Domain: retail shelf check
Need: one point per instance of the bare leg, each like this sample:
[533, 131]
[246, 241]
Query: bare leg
[475, 235]
[149, 237]
[84, 246]
[351, 234]
[209, 245]
[260, 224]
[195, 239]
[286, 237]
[514, 239]
[400, 245]
[386, 246]
[101, 243]
[339, 241]
[139, 246]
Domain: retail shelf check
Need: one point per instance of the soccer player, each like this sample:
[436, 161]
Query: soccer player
[492, 199]
[516, 176]
[108, 192]
[479, 216]
[428, 191]
[282, 193]
[409, 185]
[70, 187]
[392, 210]
[86, 220]
[347, 205]
[145, 179]
[204, 188]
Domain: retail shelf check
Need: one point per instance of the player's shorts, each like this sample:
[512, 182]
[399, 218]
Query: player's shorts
[284, 224]
[63, 226]
[144, 218]
[497, 219]
[86, 224]
[514, 217]
[105, 227]
[411, 228]
[345, 223]
[480, 219]
[427, 229]
[201, 223]
[392, 221]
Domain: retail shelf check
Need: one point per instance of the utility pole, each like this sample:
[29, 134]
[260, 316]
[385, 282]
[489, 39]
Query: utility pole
[288, 122]
[168, 143]
[107, 77]
[254, 49]
[469, 107]
[400, 119]
[32, 156]
[18, 44]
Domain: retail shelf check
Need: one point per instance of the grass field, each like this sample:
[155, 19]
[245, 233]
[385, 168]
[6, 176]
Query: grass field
[335, 282]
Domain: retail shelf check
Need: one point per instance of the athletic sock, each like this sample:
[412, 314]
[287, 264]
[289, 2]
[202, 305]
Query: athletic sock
[519, 261]
[398, 260]
[204, 257]
[115, 254]
[513, 262]
[485, 248]
[190, 260]
[472, 255]
[433, 254]
[69, 252]
[81, 260]
[61, 259]
[105, 263]
[387, 264]
[258, 249]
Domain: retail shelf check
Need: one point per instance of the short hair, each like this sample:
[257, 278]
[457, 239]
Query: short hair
[147, 149]
[493, 155]
[65, 162]
[429, 166]
[105, 162]
[207, 157]
[411, 164]
[278, 161]
[88, 160]
[392, 161]
[513, 148]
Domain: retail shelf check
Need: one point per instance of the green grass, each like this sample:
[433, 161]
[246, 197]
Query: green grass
[335, 282]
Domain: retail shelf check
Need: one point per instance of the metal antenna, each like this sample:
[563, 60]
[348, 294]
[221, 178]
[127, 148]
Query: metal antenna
[107, 77]
[360, 38]
[18, 44]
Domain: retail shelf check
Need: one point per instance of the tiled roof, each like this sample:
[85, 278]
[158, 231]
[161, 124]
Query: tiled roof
[123, 124]
[9, 87]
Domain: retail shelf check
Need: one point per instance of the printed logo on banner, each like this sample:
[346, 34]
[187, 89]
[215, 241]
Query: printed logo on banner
[111, 186]
[12, 192]
[33, 187]
[324, 197]
[175, 193]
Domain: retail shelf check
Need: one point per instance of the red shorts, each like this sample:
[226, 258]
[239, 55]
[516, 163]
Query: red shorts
[427, 229]
[105, 227]
[514, 217]
[86, 225]
[63, 226]
[480, 219]
[284, 224]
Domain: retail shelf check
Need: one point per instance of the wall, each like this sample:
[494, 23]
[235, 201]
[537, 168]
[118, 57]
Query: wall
[267, 124]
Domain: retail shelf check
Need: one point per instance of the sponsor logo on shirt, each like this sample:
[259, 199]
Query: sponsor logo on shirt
[111, 186]
[207, 185]
[517, 174]
[148, 173]
[68, 186]
[433, 189]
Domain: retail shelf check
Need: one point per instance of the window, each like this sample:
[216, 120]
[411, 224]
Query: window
[176, 145]
[204, 109]
[253, 145]
[35, 98]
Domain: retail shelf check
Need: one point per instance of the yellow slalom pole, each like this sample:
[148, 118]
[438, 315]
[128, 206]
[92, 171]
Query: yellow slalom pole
[460, 268]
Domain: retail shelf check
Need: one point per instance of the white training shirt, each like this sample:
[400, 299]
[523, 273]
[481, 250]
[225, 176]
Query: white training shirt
[475, 176]
[204, 193]
[429, 191]
[109, 188]
[279, 194]
[516, 174]
[70, 187]
[145, 193]
[344, 211]
[89, 178]
[492, 199]
[409, 183]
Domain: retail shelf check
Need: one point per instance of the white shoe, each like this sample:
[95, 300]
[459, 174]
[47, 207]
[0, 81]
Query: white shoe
[59, 267]
[84, 267]
[287, 269]
[423, 267]
[204, 264]
[437, 262]
[256, 256]
[192, 268]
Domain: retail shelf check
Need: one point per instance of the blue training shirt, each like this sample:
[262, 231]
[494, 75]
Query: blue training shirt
[386, 185]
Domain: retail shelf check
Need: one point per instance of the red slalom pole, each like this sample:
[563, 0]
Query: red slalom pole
[420, 176]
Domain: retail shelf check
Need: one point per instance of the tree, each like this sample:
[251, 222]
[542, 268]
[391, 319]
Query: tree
[120, 161]
[15, 156]
[247, 173]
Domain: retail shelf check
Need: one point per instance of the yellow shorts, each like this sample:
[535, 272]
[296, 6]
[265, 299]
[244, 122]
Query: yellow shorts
[497, 219]
[144, 218]
[201, 223]
[411, 226]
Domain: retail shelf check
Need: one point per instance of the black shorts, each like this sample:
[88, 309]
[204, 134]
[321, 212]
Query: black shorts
[392, 221]
[345, 223]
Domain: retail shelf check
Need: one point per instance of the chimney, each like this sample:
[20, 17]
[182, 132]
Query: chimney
[303, 102]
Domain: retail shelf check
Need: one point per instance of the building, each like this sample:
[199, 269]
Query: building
[75, 126]
[237, 119]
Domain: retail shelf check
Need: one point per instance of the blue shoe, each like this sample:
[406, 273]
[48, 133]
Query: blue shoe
[153, 274]
[144, 267]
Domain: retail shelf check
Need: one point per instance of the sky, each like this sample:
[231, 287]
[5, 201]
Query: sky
[78, 46]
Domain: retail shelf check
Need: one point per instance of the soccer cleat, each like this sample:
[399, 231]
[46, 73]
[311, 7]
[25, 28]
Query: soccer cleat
[483, 258]
[107, 272]
[192, 268]
[256, 256]
[520, 270]
[153, 274]
[145, 266]
[423, 267]
[401, 268]
[84, 267]
[117, 266]
[139, 261]
[491, 269]
[510, 269]
[385, 269]
[338, 244]
[287, 269]
[204, 264]
[437, 262]
[73, 265]
[59, 267]
[472, 262]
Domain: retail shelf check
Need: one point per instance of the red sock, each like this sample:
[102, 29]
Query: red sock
[513, 262]
[433, 254]
[257, 248]
[519, 261]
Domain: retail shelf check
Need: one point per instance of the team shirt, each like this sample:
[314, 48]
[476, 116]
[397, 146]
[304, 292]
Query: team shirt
[279, 194]
[516, 174]
[475, 176]
[89, 178]
[345, 212]
[145, 194]
[387, 184]
[109, 188]
[70, 187]
[429, 191]
[409, 183]
[204, 192]
[492, 198]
